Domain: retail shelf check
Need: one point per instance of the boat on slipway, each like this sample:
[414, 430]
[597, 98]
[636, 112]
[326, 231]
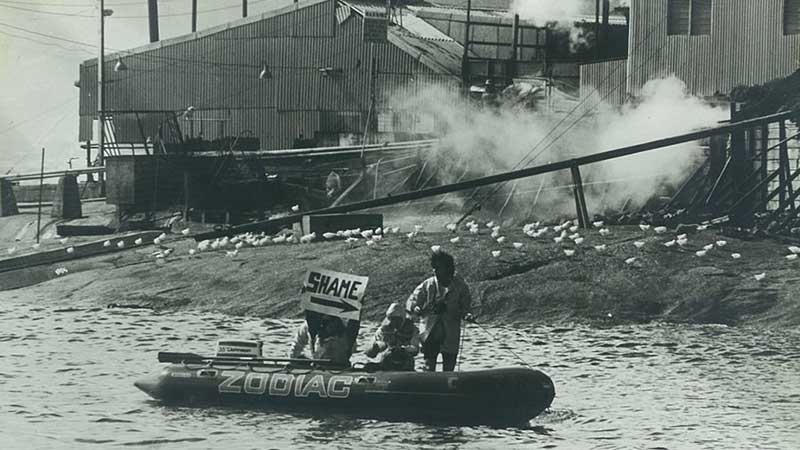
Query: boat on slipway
[504, 396]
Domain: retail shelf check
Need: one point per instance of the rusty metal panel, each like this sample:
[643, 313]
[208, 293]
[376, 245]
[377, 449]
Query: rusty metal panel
[746, 46]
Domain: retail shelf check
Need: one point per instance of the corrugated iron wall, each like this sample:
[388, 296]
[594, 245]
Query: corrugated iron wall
[747, 46]
[605, 82]
[217, 73]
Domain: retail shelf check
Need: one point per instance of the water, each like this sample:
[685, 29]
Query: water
[66, 381]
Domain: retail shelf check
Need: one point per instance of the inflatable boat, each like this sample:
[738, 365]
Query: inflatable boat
[494, 396]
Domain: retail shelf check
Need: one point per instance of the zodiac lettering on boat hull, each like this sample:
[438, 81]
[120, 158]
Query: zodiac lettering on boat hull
[284, 384]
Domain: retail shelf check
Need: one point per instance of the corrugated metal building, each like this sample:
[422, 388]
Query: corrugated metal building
[318, 83]
[712, 45]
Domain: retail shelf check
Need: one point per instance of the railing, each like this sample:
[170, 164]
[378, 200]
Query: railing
[54, 174]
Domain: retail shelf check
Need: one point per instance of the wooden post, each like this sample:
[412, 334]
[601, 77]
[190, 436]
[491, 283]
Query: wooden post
[39, 213]
[783, 167]
[580, 200]
[194, 16]
[186, 196]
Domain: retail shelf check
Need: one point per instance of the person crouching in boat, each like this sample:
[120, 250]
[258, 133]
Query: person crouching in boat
[441, 302]
[396, 342]
[322, 337]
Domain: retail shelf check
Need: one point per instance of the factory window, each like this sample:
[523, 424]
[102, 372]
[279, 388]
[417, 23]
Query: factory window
[689, 17]
[701, 17]
[791, 17]
[678, 17]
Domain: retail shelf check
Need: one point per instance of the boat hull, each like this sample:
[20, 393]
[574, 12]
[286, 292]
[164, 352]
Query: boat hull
[495, 396]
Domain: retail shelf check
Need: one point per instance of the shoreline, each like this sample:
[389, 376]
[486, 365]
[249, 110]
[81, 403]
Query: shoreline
[536, 284]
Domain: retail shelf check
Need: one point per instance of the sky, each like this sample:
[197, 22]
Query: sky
[42, 43]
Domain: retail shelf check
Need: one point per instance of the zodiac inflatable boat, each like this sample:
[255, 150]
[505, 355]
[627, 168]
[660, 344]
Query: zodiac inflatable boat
[495, 396]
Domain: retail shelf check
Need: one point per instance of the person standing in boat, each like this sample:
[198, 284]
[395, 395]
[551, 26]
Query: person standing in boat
[396, 342]
[441, 302]
[322, 337]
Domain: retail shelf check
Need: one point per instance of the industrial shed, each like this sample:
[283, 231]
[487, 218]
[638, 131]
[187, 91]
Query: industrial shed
[713, 46]
[310, 70]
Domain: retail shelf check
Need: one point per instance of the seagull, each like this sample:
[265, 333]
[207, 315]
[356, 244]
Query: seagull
[574, 236]
[495, 234]
[185, 231]
[578, 240]
[605, 231]
[722, 243]
[558, 239]
[682, 236]
[411, 235]
[569, 252]
[138, 241]
[598, 224]
[279, 239]
[436, 248]
[795, 250]
[366, 234]
[682, 242]
[235, 239]
[760, 276]
[296, 208]
[600, 248]
[157, 241]
[192, 252]
[377, 237]
[708, 247]
[395, 230]
[669, 243]
[474, 230]
[451, 227]
[70, 250]
[630, 260]
[232, 253]
[638, 244]
[644, 226]
[791, 257]
[239, 245]
[329, 235]
[495, 253]
[455, 240]
[64, 241]
[378, 230]
[517, 245]
[370, 242]
[291, 239]
[496, 228]
[490, 224]
[701, 253]
[702, 227]
[501, 239]
[121, 244]
[660, 230]
[573, 228]
[162, 236]
[736, 255]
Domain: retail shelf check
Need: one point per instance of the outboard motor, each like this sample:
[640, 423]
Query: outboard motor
[239, 349]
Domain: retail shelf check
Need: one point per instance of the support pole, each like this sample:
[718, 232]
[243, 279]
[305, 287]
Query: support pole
[186, 194]
[597, 29]
[580, 200]
[101, 106]
[465, 75]
[244, 8]
[39, 213]
[784, 164]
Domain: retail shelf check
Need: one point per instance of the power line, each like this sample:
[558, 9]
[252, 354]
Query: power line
[76, 5]
[94, 16]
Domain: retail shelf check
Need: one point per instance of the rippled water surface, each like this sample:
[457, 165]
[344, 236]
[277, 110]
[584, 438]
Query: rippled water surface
[66, 381]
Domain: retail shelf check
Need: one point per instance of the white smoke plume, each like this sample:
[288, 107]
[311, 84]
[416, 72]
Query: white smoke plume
[484, 141]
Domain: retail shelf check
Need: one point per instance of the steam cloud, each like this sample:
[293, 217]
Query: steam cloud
[482, 141]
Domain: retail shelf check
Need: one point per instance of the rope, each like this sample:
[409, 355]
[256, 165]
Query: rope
[519, 358]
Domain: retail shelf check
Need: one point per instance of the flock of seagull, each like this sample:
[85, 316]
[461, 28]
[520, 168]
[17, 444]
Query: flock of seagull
[566, 234]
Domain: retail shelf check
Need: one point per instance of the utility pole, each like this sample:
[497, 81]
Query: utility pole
[101, 106]
[597, 29]
[465, 75]
[194, 16]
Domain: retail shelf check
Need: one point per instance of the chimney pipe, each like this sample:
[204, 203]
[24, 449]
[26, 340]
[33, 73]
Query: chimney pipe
[152, 13]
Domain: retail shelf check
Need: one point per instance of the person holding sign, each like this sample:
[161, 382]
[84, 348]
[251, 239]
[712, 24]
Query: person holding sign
[441, 302]
[396, 342]
[322, 337]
